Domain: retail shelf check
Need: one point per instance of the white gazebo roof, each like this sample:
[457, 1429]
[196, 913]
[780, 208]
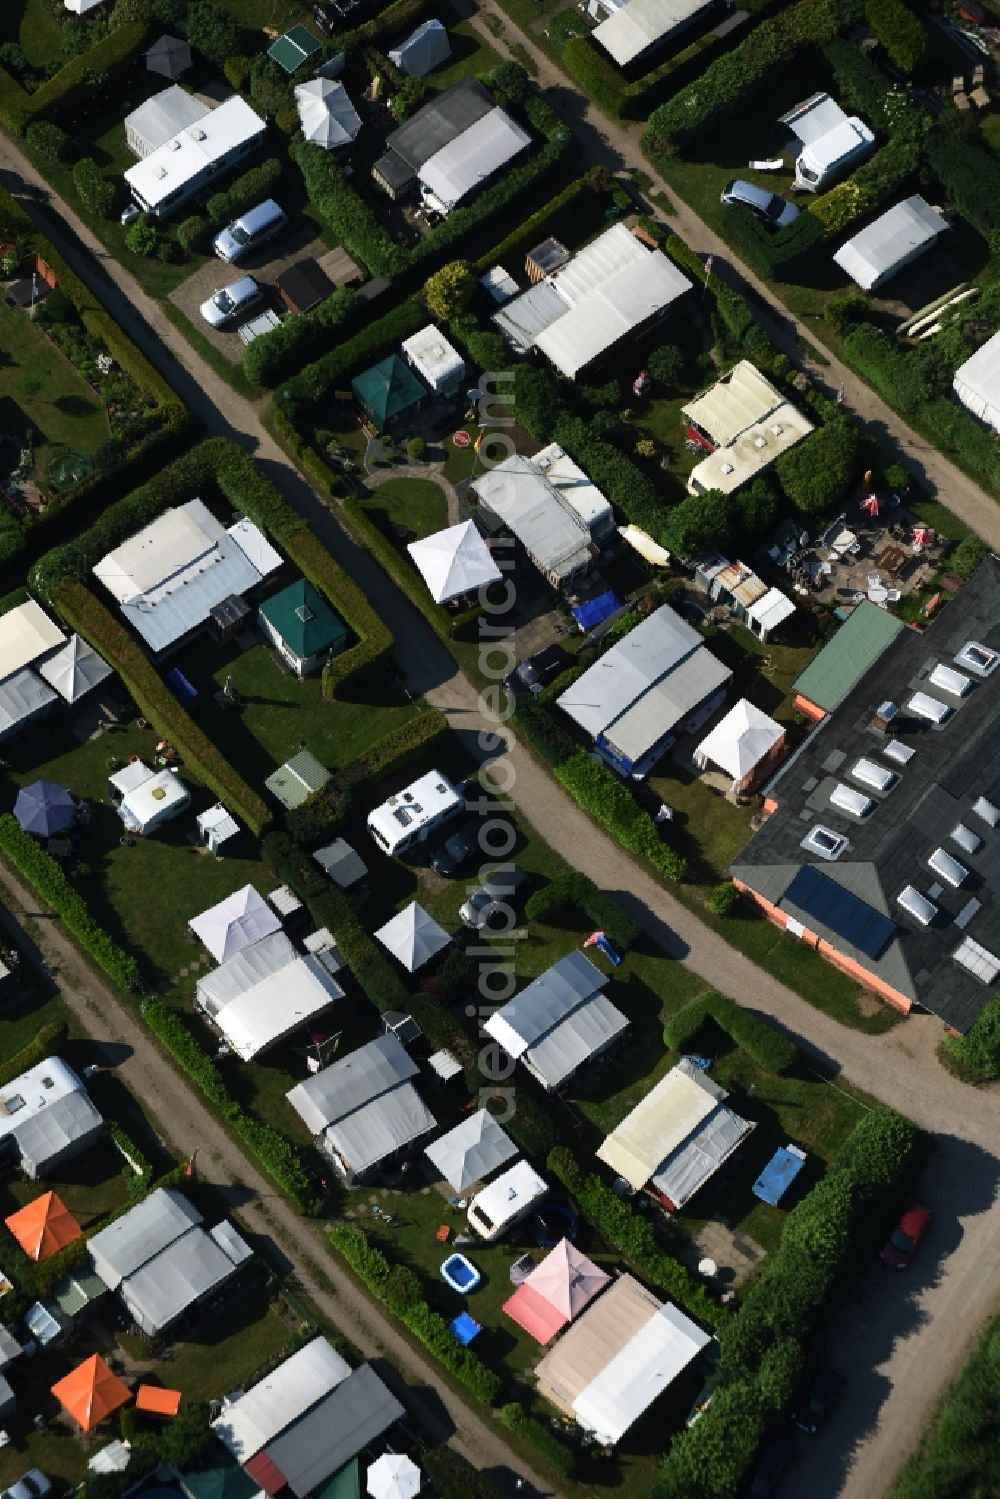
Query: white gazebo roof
[75, 669]
[740, 740]
[471, 1150]
[393, 1476]
[241, 919]
[413, 937]
[326, 114]
[454, 562]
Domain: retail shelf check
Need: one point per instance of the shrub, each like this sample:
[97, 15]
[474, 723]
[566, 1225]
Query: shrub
[45, 1043]
[845, 308]
[236, 69]
[96, 193]
[970, 177]
[192, 231]
[214, 34]
[819, 472]
[345, 212]
[141, 237]
[762, 1043]
[572, 888]
[47, 139]
[599, 791]
[901, 32]
[511, 80]
[296, 339]
[978, 1051]
[449, 291]
[48, 881]
[416, 447]
[723, 899]
[967, 556]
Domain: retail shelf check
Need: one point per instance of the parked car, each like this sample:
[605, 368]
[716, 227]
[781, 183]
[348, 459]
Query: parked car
[539, 670]
[231, 302]
[456, 851]
[251, 229]
[32, 1485]
[482, 904]
[902, 1244]
[821, 1396]
[767, 1474]
[766, 205]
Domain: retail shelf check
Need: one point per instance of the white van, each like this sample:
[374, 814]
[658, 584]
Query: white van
[407, 818]
[506, 1201]
[251, 229]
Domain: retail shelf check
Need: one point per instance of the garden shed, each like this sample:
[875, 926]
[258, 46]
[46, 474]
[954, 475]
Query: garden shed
[388, 393]
[295, 782]
[423, 49]
[302, 627]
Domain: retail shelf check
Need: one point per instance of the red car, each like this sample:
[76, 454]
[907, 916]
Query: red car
[902, 1244]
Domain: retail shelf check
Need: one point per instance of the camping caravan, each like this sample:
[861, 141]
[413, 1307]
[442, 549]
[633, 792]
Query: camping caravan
[507, 1200]
[832, 142]
[408, 817]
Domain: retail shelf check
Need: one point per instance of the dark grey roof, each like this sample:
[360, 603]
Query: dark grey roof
[394, 171]
[440, 122]
[360, 1409]
[952, 765]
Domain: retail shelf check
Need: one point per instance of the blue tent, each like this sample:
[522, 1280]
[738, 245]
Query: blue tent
[779, 1173]
[464, 1328]
[591, 613]
[45, 808]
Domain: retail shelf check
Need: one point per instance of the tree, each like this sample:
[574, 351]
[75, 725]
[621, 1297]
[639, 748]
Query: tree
[967, 556]
[845, 308]
[415, 448]
[47, 139]
[666, 365]
[723, 898]
[141, 237]
[450, 290]
[819, 472]
[645, 448]
[408, 97]
[511, 80]
[699, 522]
[270, 89]
[598, 179]
[213, 33]
[535, 401]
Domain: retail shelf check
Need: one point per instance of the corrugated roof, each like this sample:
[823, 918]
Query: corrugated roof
[351, 1082]
[549, 528]
[845, 658]
[662, 1121]
[280, 1398]
[343, 1424]
[640, 24]
[440, 121]
[629, 669]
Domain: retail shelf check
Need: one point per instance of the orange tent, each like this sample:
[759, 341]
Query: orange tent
[91, 1392]
[156, 1401]
[44, 1226]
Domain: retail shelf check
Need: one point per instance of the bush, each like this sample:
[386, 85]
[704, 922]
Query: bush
[384, 1282]
[95, 192]
[449, 291]
[45, 1043]
[236, 69]
[599, 791]
[845, 308]
[819, 472]
[620, 1226]
[213, 33]
[723, 899]
[978, 1051]
[970, 177]
[273, 355]
[50, 883]
[47, 139]
[345, 212]
[416, 447]
[901, 32]
[967, 556]
[762, 1043]
[571, 888]
[141, 238]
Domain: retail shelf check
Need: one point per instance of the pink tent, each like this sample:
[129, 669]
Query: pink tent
[567, 1279]
[537, 1316]
[873, 504]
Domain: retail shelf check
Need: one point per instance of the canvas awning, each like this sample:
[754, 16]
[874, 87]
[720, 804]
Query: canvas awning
[555, 1292]
[91, 1393]
[740, 740]
[639, 1373]
[43, 1226]
[413, 937]
[75, 669]
[471, 1151]
[662, 1121]
[240, 920]
[454, 562]
[326, 114]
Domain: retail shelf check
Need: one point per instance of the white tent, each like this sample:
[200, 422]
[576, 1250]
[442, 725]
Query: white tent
[393, 1477]
[472, 158]
[81, 7]
[471, 1150]
[454, 562]
[648, 1363]
[236, 922]
[423, 50]
[740, 740]
[413, 937]
[894, 239]
[75, 669]
[977, 383]
[161, 796]
[326, 114]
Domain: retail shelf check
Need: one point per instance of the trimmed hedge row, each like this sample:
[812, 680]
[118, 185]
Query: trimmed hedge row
[47, 879]
[601, 80]
[277, 1155]
[345, 212]
[738, 76]
[564, 210]
[398, 1288]
[221, 208]
[970, 176]
[137, 1170]
[88, 617]
[619, 1225]
[574, 888]
[761, 1042]
[74, 82]
[901, 32]
[599, 791]
[44, 1044]
[272, 356]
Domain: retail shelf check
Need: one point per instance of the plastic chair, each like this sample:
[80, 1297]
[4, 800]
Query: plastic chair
[443, 1234]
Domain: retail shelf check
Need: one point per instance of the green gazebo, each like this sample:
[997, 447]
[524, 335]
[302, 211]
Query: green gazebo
[388, 392]
[302, 626]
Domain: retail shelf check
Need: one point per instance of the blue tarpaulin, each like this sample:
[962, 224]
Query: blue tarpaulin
[464, 1328]
[779, 1173]
[594, 610]
[180, 686]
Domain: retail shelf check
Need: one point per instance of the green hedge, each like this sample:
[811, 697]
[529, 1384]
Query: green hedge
[277, 1155]
[399, 1290]
[761, 1042]
[819, 472]
[561, 217]
[602, 81]
[599, 791]
[137, 1170]
[73, 84]
[47, 879]
[733, 79]
[44, 1044]
[573, 888]
[260, 182]
[978, 1051]
[970, 176]
[345, 212]
[624, 484]
[272, 356]
[615, 1221]
[901, 32]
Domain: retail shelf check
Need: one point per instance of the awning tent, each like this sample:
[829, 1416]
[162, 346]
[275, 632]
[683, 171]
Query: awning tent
[91, 1393]
[555, 1292]
[169, 56]
[894, 239]
[423, 49]
[471, 1151]
[75, 669]
[413, 937]
[326, 114]
[641, 1371]
[388, 391]
[768, 612]
[81, 7]
[22, 697]
[393, 1476]
[236, 922]
[44, 1226]
[660, 1122]
[454, 562]
[45, 808]
[157, 1401]
[473, 157]
[291, 50]
[740, 740]
[691, 1165]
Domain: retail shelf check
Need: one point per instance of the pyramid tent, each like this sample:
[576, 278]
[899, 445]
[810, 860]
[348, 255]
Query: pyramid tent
[413, 937]
[393, 1476]
[471, 1151]
[44, 1226]
[236, 922]
[45, 808]
[169, 56]
[326, 114]
[388, 390]
[422, 50]
[75, 669]
[454, 562]
[91, 1393]
[740, 740]
[567, 1279]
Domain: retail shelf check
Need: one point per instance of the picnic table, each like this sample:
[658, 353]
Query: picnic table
[893, 559]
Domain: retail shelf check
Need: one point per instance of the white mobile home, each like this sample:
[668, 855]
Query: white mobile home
[409, 816]
[506, 1201]
[169, 177]
[832, 142]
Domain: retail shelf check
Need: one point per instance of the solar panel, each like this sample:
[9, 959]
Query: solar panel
[840, 911]
[977, 960]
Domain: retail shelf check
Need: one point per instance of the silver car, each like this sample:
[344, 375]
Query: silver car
[495, 891]
[766, 205]
[232, 302]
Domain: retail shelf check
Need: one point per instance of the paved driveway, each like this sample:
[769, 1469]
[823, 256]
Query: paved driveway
[298, 243]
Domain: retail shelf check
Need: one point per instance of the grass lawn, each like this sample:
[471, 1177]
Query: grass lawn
[416, 507]
[227, 1349]
[37, 25]
[269, 13]
[39, 388]
[92, 1187]
[119, 882]
[469, 56]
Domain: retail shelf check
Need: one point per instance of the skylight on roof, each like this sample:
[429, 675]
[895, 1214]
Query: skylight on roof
[977, 658]
[870, 774]
[824, 842]
[949, 680]
[931, 708]
[849, 800]
[916, 905]
[304, 613]
[985, 809]
[949, 869]
[901, 753]
[966, 838]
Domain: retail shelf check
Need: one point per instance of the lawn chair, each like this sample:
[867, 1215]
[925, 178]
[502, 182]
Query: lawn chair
[443, 1234]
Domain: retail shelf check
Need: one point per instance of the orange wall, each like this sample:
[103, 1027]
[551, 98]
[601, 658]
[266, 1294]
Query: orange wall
[811, 710]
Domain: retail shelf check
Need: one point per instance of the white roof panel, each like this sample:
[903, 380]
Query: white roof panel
[244, 970]
[454, 562]
[433, 356]
[740, 740]
[849, 800]
[648, 1363]
[162, 116]
[21, 697]
[771, 610]
[237, 921]
[379, 1128]
[546, 1001]
[740, 399]
[255, 547]
[628, 298]
[692, 1164]
[895, 238]
[931, 708]
[351, 1082]
[26, 632]
[661, 1122]
[187, 155]
[547, 525]
[326, 114]
[977, 382]
[642, 23]
[472, 157]
[75, 669]
[422, 50]
[281, 1397]
[503, 1198]
[629, 669]
[276, 1005]
[585, 1033]
[471, 1151]
[171, 542]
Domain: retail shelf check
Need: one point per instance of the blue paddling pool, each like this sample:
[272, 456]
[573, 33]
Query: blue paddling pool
[460, 1273]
